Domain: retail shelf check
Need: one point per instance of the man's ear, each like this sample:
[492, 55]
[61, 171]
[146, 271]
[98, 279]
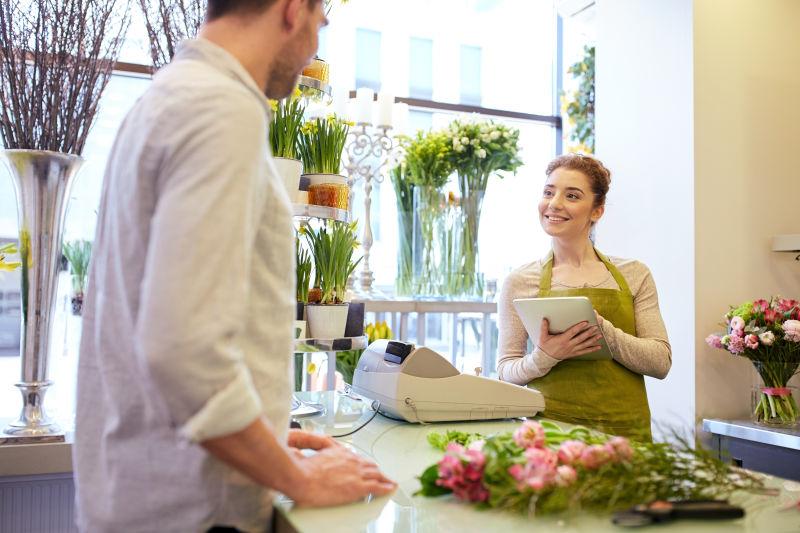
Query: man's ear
[291, 13]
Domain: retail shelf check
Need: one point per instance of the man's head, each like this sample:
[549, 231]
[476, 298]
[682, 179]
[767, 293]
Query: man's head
[292, 26]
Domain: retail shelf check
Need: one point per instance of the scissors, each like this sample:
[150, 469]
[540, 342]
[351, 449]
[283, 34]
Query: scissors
[665, 511]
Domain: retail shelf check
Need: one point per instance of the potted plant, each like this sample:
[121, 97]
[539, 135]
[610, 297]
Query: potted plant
[78, 254]
[321, 146]
[478, 150]
[332, 247]
[284, 131]
[428, 168]
[304, 266]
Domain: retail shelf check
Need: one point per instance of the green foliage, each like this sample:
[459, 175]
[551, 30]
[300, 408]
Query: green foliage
[284, 130]
[321, 144]
[78, 254]
[304, 265]
[580, 107]
[332, 247]
[427, 161]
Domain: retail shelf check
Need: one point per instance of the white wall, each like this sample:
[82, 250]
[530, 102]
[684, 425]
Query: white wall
[644, 135]
[747, 178]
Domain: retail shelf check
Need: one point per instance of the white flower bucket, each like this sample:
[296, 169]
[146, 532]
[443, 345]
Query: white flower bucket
[289, 171]
[327, 321]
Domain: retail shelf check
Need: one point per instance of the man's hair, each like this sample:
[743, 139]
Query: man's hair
[220, 8]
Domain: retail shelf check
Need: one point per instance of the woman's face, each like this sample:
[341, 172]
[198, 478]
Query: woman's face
[567, 208]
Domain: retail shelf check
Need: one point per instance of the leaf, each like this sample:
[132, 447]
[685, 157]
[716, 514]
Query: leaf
[428, 481]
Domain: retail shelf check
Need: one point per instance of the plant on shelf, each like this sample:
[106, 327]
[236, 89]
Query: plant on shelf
[332, 246]
[304, 266]
[321, 145]
[428, 167]
[5, 264]
[767, 332]
[404, 194]
[346, 361]
[579, 105]
[478, 151]
[284, 137]
[78, 254]
[542, 469]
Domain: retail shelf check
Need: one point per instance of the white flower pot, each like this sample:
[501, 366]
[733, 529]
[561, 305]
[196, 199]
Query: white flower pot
[327, 321]
[289, 171]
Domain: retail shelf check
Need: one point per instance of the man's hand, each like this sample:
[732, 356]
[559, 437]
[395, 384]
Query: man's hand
[336, 476]
[303, 440]
[580, 339]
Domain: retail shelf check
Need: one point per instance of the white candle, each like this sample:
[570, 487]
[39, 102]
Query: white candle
[364, 99]
[400, 117]
[385, 104]
[340, 98]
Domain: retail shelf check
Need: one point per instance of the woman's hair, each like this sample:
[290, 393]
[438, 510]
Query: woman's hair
[599, 176]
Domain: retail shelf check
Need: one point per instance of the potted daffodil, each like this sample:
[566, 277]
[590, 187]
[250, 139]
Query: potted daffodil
[321, 146]
[284, 131]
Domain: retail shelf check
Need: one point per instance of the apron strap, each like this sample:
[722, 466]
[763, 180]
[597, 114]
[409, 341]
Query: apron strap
[546, 279]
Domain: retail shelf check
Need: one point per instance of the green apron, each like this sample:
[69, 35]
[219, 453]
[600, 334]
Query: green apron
[599, 394]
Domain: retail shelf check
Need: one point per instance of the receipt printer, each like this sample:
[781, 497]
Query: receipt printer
[419, 385]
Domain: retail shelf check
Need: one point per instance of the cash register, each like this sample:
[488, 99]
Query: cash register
[416, 384]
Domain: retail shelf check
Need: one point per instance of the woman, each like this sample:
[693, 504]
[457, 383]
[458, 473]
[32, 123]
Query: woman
[607, 395]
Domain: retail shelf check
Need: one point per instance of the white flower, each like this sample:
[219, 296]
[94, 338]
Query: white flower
[767, 338]
[474, 142]
[481, 153]
[456, 142]
[459, 148]
[494, 135]
[465, 140]
[485, 138]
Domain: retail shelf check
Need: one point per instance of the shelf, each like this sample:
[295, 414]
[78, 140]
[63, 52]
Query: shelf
[330, 345]
[315, 90]
[320, 211]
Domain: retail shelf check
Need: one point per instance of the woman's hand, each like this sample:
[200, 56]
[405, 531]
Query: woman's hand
[580, 339]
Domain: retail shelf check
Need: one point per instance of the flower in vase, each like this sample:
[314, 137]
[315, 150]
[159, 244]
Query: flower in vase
[791, 329]
[751, 341]
[715, 341]
[737, 323]
[767, 338]
[725, 340]
[771, 315]
[760, 306]
[529, 435]
[620, 448]
[481, 153]
[785, 305]
[736, 344]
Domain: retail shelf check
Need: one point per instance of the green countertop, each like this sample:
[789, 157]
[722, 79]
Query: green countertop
[402, 451]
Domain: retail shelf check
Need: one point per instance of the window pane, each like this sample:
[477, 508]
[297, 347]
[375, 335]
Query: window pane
[516, 40]
[368, 59]
[471, 75]
[421, 73]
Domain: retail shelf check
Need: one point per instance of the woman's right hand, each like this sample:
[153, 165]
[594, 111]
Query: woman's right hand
[580, 339]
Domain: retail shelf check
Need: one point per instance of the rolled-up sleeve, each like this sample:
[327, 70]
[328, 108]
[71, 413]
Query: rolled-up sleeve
[194, 289]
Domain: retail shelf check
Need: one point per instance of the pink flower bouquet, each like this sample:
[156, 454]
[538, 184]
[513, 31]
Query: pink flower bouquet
[540, 468]
[767, 332]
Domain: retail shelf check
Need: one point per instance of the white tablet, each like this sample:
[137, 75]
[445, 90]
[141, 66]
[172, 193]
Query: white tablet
[563, 313]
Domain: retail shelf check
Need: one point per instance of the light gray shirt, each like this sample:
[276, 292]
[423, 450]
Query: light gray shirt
[189, 311]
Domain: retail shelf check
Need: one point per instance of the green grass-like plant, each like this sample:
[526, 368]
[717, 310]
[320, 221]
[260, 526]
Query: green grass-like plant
[78, 254]
[321, 144]
[332, 247]
[284, 129]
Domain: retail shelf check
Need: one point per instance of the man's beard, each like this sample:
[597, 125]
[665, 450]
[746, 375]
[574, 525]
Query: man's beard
[285, 70]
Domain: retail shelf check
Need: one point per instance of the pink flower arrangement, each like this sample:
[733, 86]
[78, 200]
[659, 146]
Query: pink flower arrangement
[461, 470]
[792, 330]
[529, 435]
[570, 451]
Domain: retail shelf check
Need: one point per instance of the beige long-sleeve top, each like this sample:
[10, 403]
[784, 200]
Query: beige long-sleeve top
[647, 353]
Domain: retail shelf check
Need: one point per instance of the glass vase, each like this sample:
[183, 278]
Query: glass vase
[773, 401]
[470, 279]
[428, 242]
[404, 280]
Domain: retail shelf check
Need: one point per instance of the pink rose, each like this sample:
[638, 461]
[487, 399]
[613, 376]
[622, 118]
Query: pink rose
[715, 341]
[751, 341]
[621, 448]
[565, 476]
[736, 345]
[544, 457]
[539, 472]
[759, 306]
[570, 451]
[595, 456]
[791, 329]
[529, 435]
[770, 316]
[737, 324]
[461, 470]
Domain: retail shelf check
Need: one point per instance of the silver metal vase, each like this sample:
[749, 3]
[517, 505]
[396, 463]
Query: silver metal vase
[42, 182]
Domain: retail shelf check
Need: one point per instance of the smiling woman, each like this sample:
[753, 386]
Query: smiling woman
[623, 294]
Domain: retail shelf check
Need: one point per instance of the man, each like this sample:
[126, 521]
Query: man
[184, 376]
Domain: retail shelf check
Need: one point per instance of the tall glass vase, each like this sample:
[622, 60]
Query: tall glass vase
[42, 182]
[774, 402]
[404, 281]
[473, 190]
[429, 208]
